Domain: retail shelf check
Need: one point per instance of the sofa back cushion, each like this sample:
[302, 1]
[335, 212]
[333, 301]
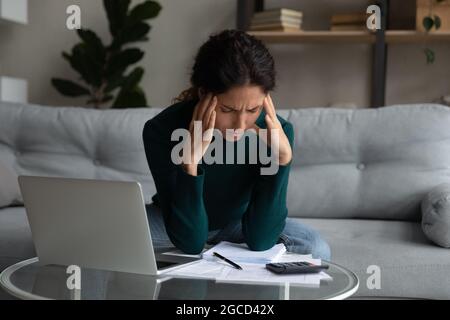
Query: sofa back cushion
[367, 163]
[76, 142]
[348, 163]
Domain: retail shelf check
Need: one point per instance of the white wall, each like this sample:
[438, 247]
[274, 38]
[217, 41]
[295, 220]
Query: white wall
[34, 51]
[308, 75]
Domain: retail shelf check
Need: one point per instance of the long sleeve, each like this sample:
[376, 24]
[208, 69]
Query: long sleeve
[180, 194]
[265, 217]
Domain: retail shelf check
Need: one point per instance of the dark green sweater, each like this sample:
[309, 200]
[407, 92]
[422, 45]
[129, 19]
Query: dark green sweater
[219, 194]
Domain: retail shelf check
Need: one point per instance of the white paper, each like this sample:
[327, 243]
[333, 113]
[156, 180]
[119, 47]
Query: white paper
[251, 273]
[239, 252]
[256, 273]
[201, 269]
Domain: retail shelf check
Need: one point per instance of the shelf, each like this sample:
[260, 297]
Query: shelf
[406, 36]
[392, 36]
[379, 41]
[314, 36]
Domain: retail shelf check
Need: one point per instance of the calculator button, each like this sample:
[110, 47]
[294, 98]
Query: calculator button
[278, 265]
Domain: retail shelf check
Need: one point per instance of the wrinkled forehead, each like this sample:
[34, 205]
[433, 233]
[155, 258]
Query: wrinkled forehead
[242, 97]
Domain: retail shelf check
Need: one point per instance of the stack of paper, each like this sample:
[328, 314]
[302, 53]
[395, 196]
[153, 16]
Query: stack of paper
[253, 266]
[239, 252]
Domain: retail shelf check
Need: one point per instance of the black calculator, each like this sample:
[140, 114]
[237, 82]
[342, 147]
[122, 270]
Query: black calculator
[295, 267]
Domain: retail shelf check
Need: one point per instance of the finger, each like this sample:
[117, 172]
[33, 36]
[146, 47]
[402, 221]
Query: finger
[212, 120]
[209, 111]
[273, 113]
[204, 105]
[210, 129]
[269, 121]
[194, 115]
[267, 107]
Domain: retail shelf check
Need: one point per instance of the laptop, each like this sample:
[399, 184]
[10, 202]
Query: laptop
[93, 224]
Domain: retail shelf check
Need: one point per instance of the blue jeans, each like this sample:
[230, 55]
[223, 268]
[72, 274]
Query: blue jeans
[296, 236]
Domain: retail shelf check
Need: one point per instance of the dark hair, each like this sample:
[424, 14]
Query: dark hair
[228, 59]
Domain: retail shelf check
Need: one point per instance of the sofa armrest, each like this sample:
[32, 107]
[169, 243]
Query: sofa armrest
[436, 215]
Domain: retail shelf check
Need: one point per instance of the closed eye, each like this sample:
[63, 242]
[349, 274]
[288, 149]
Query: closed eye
[226, 110]
[254, 110]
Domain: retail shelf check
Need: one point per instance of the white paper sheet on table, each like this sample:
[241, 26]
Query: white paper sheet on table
[251, 273]
[257, 273]
[239, 253]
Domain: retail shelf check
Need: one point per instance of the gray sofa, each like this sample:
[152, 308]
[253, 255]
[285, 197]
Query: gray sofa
[361, 177]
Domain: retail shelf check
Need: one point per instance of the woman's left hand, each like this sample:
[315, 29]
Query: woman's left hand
[284, 147]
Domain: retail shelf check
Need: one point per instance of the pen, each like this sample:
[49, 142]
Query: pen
[227, 260]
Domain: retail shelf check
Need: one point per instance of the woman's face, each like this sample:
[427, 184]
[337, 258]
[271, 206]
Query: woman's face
[238, 109]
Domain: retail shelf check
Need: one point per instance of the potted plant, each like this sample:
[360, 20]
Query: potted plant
[102, 69]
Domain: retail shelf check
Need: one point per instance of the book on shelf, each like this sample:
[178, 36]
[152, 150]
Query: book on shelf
[275, 28]
[349, 18]
[279, 19]
[274, 25]
[353, 21]
[282, 29]
[276, 20]
[277, 12]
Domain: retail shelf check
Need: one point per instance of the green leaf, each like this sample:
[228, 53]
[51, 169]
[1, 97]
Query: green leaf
[133, 79]
[144, 11]
[133, 33]
[76, 62]
[93, 43]
[69, 88]
[130, 94]
[113, 82]
[437, 22]
[117, 11]
[134, 98]
[430, 55]
[89, 69]
[428, 23]
[119, 62]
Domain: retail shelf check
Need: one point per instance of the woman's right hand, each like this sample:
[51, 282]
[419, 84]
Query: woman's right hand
[204, 112]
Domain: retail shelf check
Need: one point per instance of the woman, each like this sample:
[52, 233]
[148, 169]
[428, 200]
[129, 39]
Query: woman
[198, 203]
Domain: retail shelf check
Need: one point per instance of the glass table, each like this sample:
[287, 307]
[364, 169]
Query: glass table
[31, 280]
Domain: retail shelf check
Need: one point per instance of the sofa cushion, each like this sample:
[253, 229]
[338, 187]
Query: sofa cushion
[9, 187]
[436, 215]
[76, 142]
[375, 163]
[410, 264]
